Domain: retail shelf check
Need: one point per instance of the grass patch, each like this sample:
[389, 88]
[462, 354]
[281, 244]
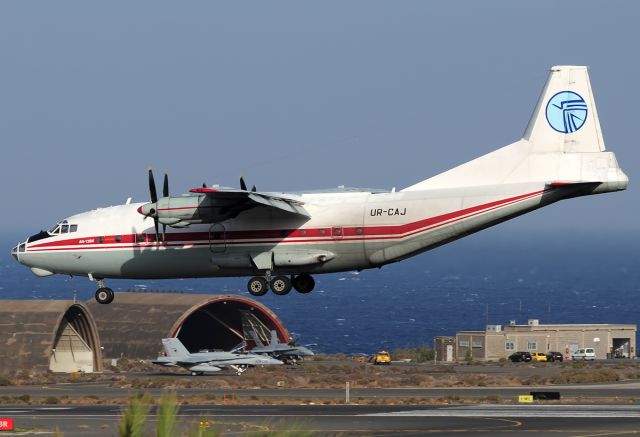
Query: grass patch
[586, 376]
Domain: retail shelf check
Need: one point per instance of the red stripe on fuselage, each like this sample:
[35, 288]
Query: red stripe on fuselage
[310, 235]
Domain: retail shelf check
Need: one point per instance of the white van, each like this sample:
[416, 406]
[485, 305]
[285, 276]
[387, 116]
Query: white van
[586, 353]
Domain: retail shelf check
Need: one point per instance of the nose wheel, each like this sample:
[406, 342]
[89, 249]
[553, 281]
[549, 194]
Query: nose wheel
[104, 295]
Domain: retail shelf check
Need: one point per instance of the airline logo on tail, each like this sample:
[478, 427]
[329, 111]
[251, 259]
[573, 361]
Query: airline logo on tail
[566, 112]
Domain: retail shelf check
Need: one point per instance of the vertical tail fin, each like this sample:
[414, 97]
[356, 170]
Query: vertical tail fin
[256, 338]
[562, 143]
[174, 348]
[565, 118]
[274, 338]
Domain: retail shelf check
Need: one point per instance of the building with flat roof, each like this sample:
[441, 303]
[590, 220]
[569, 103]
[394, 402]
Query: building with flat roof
[500, 341]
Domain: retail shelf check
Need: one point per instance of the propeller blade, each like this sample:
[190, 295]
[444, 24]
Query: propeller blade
[152, 187]
[165, 193]
[154, 199]
[165, 186]
[243, 186]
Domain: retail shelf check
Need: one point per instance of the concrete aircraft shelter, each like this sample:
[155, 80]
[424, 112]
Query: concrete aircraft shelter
[134, 323]
[55, 335]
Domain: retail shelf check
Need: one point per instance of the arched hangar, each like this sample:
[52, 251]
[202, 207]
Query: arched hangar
[55, 335]
[134, 323]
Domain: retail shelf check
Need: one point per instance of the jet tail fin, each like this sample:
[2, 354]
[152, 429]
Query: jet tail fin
[256, 338]
[274, 338]
[563, 142]
[174, 348]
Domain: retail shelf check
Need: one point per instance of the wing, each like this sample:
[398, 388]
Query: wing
[250, 199]
[216, 205]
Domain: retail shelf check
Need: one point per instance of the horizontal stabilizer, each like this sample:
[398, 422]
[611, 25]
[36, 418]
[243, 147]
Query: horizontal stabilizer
[571, 183]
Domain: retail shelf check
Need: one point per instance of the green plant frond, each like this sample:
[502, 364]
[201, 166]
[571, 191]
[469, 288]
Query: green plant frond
[167, 414]
[134, 416]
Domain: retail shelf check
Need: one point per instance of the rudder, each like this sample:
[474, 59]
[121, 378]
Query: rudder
[174, 348]
[565, 118]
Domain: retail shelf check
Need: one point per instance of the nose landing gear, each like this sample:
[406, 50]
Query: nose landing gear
[104, 295]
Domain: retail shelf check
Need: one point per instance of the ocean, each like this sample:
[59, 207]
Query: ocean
[492, 277]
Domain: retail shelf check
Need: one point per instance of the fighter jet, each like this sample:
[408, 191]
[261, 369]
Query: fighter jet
[281, 351]
[281, 239]
[199, 363]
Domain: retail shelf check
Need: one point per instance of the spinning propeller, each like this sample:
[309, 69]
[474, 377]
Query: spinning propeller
[154, 199]
[151, 209]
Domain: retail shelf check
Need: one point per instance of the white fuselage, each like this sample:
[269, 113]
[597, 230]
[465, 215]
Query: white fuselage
[362, 229]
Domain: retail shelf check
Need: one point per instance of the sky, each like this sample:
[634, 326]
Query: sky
[294, 95]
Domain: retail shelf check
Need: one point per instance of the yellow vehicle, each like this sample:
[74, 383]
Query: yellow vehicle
[538, 356]
[382, 357]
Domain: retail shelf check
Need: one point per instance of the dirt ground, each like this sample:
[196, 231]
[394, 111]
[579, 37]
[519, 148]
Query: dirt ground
[331, 371]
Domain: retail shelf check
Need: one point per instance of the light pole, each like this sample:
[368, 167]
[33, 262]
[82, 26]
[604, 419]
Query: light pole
[435, 353]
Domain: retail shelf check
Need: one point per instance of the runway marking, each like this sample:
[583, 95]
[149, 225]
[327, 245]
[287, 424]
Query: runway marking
[609, 433]
[510, 427]
[560, 411]
[31, 433]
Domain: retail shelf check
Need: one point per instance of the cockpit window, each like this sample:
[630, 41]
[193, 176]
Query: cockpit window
[62, 228]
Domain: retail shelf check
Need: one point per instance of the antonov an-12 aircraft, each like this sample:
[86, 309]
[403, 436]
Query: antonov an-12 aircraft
[282, 239]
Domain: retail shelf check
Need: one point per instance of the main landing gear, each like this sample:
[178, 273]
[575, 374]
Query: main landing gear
[104, 295]
[280, 285]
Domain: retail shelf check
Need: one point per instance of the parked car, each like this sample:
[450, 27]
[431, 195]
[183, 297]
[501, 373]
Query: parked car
[584, 354]
[555, 356]
[382, 357]
[517, 357]
[539, 356]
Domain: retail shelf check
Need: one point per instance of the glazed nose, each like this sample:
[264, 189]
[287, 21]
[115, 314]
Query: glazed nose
[17, 250]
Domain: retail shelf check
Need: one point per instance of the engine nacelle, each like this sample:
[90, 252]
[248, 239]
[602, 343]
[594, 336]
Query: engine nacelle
[301, 257]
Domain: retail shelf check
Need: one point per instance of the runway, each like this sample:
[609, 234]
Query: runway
[480, 420]
[106, 391]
